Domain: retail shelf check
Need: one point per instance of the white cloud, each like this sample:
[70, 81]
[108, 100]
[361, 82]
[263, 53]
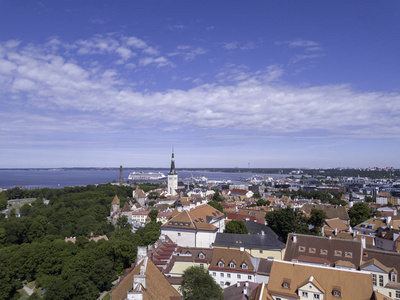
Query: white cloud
[188, 52]
[306, 45]
[158, 61]
[242, 46]
[230, 46]
[300, 57]
[241, 100]
[135, 42]
[125, 53]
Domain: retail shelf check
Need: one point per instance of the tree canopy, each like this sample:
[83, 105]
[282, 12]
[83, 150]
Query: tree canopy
[197, 284]
[359, 212]
[287, 220]
[235, 226]
[33, 248]
[317, 220]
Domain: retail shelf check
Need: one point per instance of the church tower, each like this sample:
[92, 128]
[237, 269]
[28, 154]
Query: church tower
[172, 178]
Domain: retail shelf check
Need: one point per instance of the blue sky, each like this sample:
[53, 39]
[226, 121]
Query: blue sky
[227, 83]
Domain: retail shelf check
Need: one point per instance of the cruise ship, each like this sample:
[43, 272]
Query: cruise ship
[146, 176]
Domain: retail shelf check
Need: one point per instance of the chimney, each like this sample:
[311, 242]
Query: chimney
[363, 242]
[388, 219]
[336, 231]
[262, 232]
[245, 288]
[237, 284]
[241, 249]
[120, 175]
[294, 239]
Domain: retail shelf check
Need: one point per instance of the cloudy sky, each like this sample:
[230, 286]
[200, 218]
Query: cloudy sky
[226, 83]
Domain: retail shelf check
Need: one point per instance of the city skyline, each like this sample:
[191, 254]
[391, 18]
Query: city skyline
[227, 84]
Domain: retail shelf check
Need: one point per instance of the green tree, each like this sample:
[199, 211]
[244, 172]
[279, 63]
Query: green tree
[123, 224]
[3, 200]
[260, 202]
[285, 221]
[153, 215]
[235, 226]
[358, 213]
[102, 274]
[257, 196]
[197, 284]
[317, 220]
[38, 228]
[216, 205]
[217, 197]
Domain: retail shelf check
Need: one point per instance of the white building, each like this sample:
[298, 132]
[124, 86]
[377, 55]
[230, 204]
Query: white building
[197, 227]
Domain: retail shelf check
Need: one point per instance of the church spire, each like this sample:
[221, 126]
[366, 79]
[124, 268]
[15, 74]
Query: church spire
[172, 171]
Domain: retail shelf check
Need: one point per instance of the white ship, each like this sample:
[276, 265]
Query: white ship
[146, 176]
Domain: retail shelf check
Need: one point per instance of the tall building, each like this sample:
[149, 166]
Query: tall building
[172, 178]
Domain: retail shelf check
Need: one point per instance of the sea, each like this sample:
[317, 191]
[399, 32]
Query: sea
[64, 177]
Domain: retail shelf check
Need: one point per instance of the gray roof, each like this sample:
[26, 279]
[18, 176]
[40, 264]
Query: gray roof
[256, 228]
[251, 241]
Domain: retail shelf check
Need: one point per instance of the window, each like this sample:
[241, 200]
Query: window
[336, 293]
[304, 294]
[380, 280]
[393, 277]
[261, 251]
[214, 274]
[316, 296]
[244, 266]
[285, 285]
[202, 266]
[311, 250]
[238, 276]
[348, 254]
[221, 283]
[201, 255]
[228, 275]
[302, 249]
[338, 253]
[222, 274]
[232, 265]
[179, 234]
[374, 279]
[249, 277]
[221, 264]
[324, 251]
[397, 294]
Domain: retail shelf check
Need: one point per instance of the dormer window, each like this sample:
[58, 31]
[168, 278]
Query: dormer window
[338, 253]
[393, 277]
[245, 266]
[221, 264]
[232, 265]
[286, 285]
[348, 254]
[336, 291]
[201, 255]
